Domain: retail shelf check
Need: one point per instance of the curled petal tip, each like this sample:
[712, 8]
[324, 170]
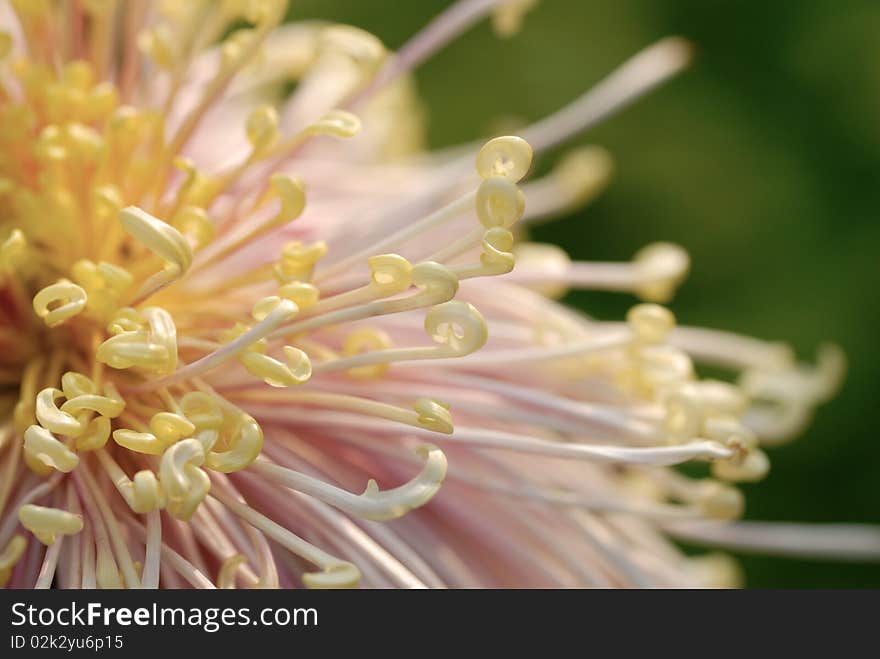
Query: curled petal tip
[335, 576]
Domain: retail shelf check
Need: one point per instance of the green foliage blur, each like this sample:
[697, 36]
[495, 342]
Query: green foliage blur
[762, 160]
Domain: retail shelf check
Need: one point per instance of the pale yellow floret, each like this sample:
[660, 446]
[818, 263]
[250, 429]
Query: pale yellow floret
[146, 339]
[186, 485]
[36, 465]
[228, 570]
[202, 410]
[496, 257]
[236, 49]
[48, 523]
[106, 406]
[143, 493]
[193, 223]
[358, 46]
[302, 294]
[261, 309]
[548, 259]
[582, 173]
[163, 332]
[197, 189]
[53, 418]
[43, 451]
[158, 236]
[709, 409]
[165, 429]
[389, 274]
[435, 283]
[661, 267]
[729, 430]
[95, 435]
[499, 202]
[507, 157]
[297, 261]
[249, 345]
[337, 123]
[139, 442]
[291, 192]
[169, 427]
[104, 283]
[107, 202]
[296, 369]
[158, 42]
[82, 394]
[434, 415]
[718, 500]
[334, 576]
[690, 405]
[244, 447]
[362, 340]
[753, 465]
[457, 326]
[262, 128]
[163, 240]
[59, 302]
[655, 368]
[74, 385]
[132, 349]
[126, 319]
[10, 556]
[651, 323]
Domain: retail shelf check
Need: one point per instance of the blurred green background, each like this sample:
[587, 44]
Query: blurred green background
[761, 160]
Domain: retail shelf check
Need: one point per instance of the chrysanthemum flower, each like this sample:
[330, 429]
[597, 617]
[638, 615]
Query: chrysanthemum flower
[235, 290]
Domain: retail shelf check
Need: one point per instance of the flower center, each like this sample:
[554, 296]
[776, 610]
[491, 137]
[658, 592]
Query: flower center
[115, 313]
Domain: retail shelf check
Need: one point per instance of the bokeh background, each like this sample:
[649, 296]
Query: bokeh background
[762, 160]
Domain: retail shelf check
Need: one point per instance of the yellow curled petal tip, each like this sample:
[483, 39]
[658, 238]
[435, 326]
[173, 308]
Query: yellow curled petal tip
[44, 448]
[434, 415]
[59, 302]
[337, 123]
[508, 157]
[458, 325]
[47, 523]
[336, 576]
